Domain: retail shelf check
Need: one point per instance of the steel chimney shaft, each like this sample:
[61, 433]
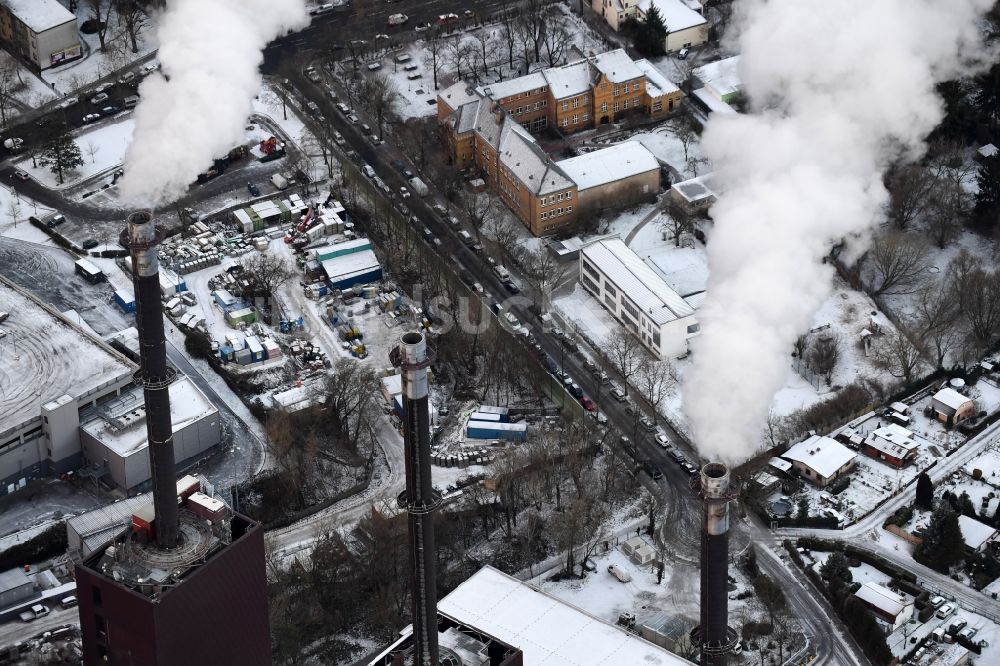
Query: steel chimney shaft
[420, 498]
[714, 627]
[141, 236]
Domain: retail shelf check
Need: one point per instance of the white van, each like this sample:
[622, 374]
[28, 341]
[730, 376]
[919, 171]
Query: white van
[279, 181]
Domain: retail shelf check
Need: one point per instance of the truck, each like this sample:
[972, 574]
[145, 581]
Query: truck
[35, 612]
[418, 186]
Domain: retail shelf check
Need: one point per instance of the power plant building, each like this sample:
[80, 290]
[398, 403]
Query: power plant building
[53, 369]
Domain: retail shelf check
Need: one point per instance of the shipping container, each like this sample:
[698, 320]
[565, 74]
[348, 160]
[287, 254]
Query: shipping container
[271, 349]
[125, 300]
[89, 271]
[241, 316]
[515, 432]
[236, 341]
[483, 416]
[340, 249]
[187, 485]
[224, 299]
[244, 357]
[493, 409]
[142, 520]
[256, 348]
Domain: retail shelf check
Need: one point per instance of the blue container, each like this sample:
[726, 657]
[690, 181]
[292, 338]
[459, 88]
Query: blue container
[125, 300]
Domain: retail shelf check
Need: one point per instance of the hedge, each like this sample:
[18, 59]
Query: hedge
[48, 544]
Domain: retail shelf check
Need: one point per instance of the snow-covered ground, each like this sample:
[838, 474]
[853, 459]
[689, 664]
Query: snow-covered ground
[102, 148]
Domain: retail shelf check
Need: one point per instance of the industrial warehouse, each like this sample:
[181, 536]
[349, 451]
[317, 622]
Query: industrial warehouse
[76, 407]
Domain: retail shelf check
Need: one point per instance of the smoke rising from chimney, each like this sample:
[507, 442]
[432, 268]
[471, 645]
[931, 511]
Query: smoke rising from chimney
[838, 90]
[211, 51]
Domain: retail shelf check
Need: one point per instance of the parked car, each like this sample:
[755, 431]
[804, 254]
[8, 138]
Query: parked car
[91, 117]
[618, 394]
[343, 108]
[253, 189]
[338, 138]
[312, 74]
[447, 19]
[575, 390]
[55, 221]
[587, 403]
[662, 440]
[405, 193]
[90, 244]
[647, 423]
[354, 119]
[127, 78]
[68, 102]
[365, 128]
[21, 174]
[683, 54]
[420, 27]
[689, 467]
[99, 98]
[368, 170]
[945, 610]
[104, 87]
[936, 602]
[149, 67]
[109, 111]
[511, 286]
[654, 472]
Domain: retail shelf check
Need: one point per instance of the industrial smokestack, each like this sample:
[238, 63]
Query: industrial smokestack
[714, 635]
[419, 499]
[141, 237]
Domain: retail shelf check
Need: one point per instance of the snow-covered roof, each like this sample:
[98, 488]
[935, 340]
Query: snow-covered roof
[458, 94]
[54, 357]
[521, 84]
[723, 76]
[989, 150]
[125, 433]
[616, 65]
[548, 631]
[949, 397]
[393, 384]
[13, 579]
[521, 154]
[780, 465]
[633, 277]
[608, 165]
[569, 80]
[657, 85]
[974, 532]
[889, 602]
[697, 189]
[821, 454]
[696, 300]
[676, 15]
[40, 15]
[893, 440]
[713, 103]
[347, 265]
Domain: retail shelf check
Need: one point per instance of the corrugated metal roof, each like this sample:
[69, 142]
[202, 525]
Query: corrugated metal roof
[633, 277]
[97, 527]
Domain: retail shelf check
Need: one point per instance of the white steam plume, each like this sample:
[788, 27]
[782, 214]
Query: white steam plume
[211, 51]
[839, 90]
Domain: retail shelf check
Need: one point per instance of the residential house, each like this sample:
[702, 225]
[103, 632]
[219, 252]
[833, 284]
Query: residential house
[977, 535]
[820, 460]
[951, 407]
[891, 607]
[892, 444]
[686, 26]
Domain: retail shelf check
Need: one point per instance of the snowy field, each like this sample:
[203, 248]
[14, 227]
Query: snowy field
[102, 149]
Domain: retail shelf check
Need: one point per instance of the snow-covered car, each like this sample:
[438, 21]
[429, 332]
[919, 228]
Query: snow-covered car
[683, 54]
[618, 394]
[91, 117]
[662, 440]
[398, 19]
[21, 174]
[354, 119]
[339, 138]
[312, 74]
[104, 87]
[68, 102]
[149, 68]
[447, 19]
[126, 78]
[420, 27]
[405, 193]
[99, 98]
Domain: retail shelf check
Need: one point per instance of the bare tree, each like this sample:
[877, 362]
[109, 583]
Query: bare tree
[481, 207]
[381, 97]
[486, 47]
[555, 42]
[823, 356]
[461, 57]
[897, 355]
[544, 271]
[654, 379]
[978, 292]
[675, 221]
[531, 24]
[909, 186]
[897, 264]
[99, 12]
[435, 48]
[510, 39]
[132, 15]
[265, 273]
[505, 230]
[13, 210]
[625, 353]
[8, 86]
[92, 150]
[936, 309]
[686, 132]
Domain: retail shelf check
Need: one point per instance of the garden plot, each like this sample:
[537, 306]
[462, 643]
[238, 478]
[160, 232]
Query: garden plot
[863, 573]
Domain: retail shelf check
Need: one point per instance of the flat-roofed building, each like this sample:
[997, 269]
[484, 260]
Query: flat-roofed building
[637, 297]
[43, 32]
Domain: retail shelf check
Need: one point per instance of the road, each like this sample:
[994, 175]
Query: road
[18, 632]
[682, 511]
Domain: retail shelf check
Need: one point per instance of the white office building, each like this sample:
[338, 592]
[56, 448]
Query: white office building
[638, 297]
[42, 31]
